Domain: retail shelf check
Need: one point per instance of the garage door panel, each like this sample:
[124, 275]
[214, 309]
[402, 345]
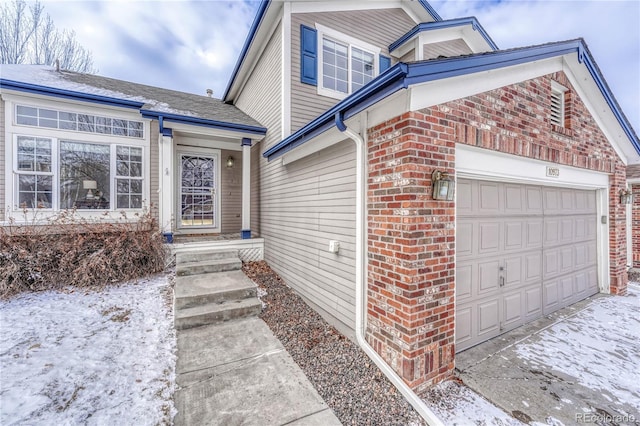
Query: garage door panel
[513, 200]
[489, 237]
[464, 240]
[464, 277]
[464, 325]
[533, 233]
[489, 197]
[488, 279]
[533, 302]
[551, 263]
[464, 199]
[566, 290]
[551, 296]
[514, 236]
[533, 197]
[566, 199]
[513, 271]
[488, 317]
[513, 309]
[581, 255]
[592, 275]
[551, 200]
[551, 231]
[566, 231]
[533, 267]
[566, 259]
[581, 285]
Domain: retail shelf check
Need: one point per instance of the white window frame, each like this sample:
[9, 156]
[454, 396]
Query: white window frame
[351, 42]
[557, 92]
[55, 173]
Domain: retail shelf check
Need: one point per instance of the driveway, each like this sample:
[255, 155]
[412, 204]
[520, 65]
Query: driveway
[579, 365]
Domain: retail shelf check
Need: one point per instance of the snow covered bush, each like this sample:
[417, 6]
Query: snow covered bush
[70, 250]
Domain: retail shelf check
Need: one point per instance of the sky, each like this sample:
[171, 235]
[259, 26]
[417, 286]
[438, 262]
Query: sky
[191, 46]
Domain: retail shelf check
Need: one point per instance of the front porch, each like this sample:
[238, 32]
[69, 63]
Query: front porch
[248, 249]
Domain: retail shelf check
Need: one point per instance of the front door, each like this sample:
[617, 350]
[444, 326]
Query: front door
[198, 191]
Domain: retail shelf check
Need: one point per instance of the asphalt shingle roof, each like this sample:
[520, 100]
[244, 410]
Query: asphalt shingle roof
[154, 98]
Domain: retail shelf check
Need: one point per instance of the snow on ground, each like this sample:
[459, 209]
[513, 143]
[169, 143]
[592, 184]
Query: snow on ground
[456, 404]
[103, 357]
[599, 346]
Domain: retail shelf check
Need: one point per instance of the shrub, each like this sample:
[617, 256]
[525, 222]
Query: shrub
[73, 251]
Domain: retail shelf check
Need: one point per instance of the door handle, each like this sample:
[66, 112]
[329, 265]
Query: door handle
[502, 281]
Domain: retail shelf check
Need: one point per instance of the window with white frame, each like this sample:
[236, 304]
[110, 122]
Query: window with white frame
[345, 64]
[58, 174]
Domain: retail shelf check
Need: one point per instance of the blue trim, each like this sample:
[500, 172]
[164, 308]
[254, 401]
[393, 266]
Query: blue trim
[403, 75]
[68, 94]
[246, 234]
[308, 55]
[262, 10]
[167, 237]
[430, 9]
[339, 120]
[186, 119]
[428, 26]
[246, 141]
[384, 63]
[166, 131]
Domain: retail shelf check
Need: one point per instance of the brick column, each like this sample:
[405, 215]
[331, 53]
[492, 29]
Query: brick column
[618, 232]
[411, 253]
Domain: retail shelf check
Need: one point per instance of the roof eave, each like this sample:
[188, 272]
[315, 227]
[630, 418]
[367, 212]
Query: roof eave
[404, 75]
[68, 94]
[198, 121]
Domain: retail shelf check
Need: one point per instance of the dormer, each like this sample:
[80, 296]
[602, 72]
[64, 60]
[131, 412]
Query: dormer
[450, 38]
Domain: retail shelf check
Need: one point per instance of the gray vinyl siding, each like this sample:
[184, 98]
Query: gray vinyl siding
[409, 56]
[447, 48]
[255, 190]
[377, 27]
[3, 189]
[306, 204]
[154, 169]
[231, 192]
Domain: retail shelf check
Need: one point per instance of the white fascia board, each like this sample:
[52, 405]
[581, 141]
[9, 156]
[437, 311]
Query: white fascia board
[596, 104]
[634, 181]
[260, 41]
[480, 163]
[411, 8]
[285, 77]
[323, 141]
[208, 132]
[472, 38]
[219, 143]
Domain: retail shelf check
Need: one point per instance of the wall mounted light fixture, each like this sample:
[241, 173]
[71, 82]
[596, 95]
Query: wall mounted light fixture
[230, 162]
[626, 196]
[444, 186]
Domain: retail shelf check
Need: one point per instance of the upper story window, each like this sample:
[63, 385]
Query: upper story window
[558, 104]
[336, 63]
[54, 119]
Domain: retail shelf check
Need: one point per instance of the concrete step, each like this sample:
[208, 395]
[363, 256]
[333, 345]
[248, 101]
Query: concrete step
[220, 287]
[208, 266]
[215, 313]
[203, 255]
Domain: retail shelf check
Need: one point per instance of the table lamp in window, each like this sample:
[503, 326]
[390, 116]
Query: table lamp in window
[90, 186]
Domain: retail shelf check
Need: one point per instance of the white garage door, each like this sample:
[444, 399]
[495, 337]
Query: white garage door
[522, 251]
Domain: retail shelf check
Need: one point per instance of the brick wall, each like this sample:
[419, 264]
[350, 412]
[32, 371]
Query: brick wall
[411, 249]
[635, 226]
[411, 238]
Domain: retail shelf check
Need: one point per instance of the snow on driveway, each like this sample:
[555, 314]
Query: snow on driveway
[103, 357]
[599, 346]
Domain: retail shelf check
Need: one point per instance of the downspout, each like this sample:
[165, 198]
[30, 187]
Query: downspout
[361, 295]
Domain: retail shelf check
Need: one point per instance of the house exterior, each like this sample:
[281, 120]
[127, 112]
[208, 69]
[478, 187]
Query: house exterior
[343, 115]
[362, 102]
[103, 146]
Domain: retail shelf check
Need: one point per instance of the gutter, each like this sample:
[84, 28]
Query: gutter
[186, 119]
[361, 295]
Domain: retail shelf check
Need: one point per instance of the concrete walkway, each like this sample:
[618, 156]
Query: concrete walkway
[238, 373]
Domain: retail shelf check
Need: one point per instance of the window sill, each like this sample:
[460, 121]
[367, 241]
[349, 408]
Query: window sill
[331, 93]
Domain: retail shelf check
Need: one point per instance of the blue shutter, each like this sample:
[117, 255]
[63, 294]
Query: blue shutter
[385, 63]
[308, 55]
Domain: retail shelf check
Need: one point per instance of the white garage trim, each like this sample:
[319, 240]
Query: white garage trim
[483, 164]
